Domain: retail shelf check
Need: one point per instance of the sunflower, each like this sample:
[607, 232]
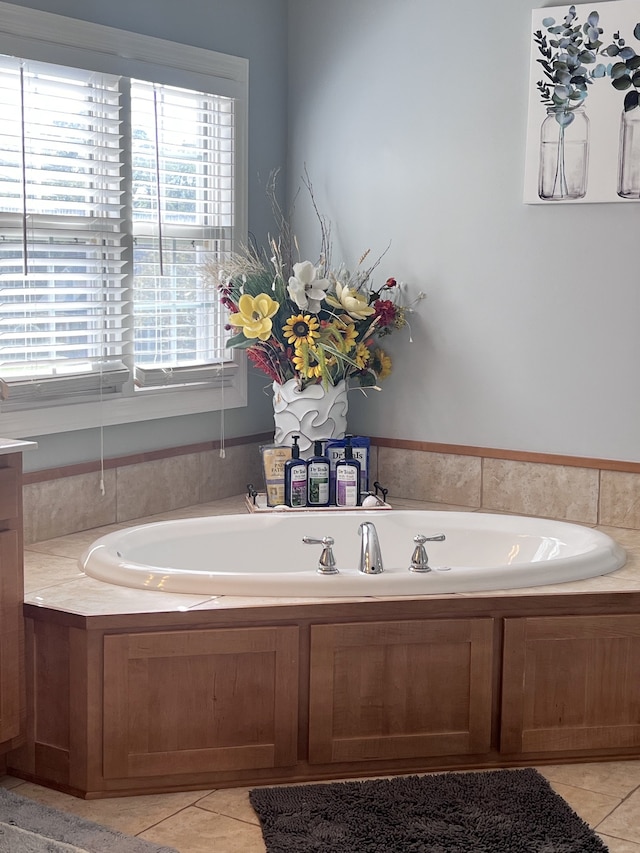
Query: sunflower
[349, 333]
[381, 363]
[362, 356]
[305, 361]
[301, 329]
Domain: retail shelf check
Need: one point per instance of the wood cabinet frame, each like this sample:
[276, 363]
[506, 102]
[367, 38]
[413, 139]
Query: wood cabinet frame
[12, 685]
[105, 674]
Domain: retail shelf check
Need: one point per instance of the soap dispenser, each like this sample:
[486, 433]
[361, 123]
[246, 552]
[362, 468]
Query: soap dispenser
[348, 478]
[295, 477]
[318, 477]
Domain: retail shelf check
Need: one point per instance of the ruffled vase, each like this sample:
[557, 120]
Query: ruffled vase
[314, 413]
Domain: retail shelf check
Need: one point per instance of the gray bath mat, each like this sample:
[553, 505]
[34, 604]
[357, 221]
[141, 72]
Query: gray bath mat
[502, 811]
[29, 827]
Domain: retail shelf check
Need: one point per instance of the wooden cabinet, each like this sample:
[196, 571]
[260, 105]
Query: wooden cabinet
[154, 702]
[571, 683]
[12, 704]
[383, 690]
[179, 702]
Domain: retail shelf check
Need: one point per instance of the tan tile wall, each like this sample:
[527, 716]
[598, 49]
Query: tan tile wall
[581, 494]
[66, 505]
[585, 495]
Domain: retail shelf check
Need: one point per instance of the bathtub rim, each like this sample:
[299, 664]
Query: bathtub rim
[350, 584]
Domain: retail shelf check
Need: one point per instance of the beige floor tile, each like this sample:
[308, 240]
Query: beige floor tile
[617, 845]
[196, 830]
[624, 822]
[131, 815]
[613, 778]
[592, 807]
[9, 782]
[232, 802]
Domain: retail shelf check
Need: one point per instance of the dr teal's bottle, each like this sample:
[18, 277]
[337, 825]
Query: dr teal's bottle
[295, 477]
[348, 478]
[318, 477]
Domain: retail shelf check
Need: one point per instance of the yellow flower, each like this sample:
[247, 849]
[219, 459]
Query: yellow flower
[301, 328]
[362, 355]
[254, 315]
[381, 363]
[349, 334]
[306, 363]
[354, 303]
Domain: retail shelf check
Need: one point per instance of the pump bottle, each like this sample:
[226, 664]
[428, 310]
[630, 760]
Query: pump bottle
[295, 477]
[348, 478]
[318, 477]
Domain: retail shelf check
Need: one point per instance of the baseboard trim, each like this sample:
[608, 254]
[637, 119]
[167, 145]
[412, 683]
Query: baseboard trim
[46, 474]
[512, 455]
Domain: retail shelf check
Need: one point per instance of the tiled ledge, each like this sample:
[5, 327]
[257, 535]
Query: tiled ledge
[55, 506]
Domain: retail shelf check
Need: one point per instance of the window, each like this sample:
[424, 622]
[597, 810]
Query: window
[118, 178]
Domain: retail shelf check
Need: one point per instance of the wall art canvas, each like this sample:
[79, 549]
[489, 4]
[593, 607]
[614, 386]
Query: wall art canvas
[583, 134]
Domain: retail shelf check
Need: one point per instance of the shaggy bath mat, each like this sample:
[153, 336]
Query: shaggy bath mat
[502, 811]
[29, 827]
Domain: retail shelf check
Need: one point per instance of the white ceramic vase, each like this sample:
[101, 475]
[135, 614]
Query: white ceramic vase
[314, 413]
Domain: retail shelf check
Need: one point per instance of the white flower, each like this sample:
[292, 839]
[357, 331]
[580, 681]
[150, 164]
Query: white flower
[355, 304]
[305, 289]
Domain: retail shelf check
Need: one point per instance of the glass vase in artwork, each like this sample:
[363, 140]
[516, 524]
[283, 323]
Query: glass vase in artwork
[629, 154]
[564, 155]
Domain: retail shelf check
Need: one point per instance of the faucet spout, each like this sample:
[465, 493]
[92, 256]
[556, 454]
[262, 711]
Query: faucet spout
[370, 554]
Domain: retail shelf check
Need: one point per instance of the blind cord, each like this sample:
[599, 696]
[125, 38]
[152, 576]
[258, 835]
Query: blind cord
[23, 151]
[158, 182]
[221, 321]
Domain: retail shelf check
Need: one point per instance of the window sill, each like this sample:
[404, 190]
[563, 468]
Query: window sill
[144, 405]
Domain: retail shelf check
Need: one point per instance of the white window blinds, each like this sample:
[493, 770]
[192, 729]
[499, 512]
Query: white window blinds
[182, 145]
[61, 262]
[112, 192]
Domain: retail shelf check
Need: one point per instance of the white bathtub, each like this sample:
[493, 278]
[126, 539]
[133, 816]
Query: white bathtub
[263, 554]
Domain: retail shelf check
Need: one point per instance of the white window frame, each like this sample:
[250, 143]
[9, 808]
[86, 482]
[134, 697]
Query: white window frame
[33, 34]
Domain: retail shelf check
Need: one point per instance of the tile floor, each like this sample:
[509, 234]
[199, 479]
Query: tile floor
[606, 795]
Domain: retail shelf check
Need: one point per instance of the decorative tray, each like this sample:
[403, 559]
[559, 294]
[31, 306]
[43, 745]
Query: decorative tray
[258, 503]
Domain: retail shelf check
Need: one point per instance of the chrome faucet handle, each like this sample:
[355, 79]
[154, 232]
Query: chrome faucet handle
[326, 563]
[420, 558]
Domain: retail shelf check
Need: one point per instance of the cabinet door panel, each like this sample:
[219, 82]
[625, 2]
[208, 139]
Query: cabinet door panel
[400, 689]
[189, 702]
[11, 643]
[571, 683]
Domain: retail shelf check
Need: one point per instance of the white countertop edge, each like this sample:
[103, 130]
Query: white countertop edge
[15, 445]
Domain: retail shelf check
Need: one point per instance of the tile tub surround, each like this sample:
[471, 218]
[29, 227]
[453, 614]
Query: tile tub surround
[67, 504]
[584, 491]
[52, 577]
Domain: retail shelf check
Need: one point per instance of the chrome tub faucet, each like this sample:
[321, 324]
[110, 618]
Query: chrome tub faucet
[370, 554]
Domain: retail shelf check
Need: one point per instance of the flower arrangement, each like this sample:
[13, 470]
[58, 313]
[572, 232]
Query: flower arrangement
[308, 321]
